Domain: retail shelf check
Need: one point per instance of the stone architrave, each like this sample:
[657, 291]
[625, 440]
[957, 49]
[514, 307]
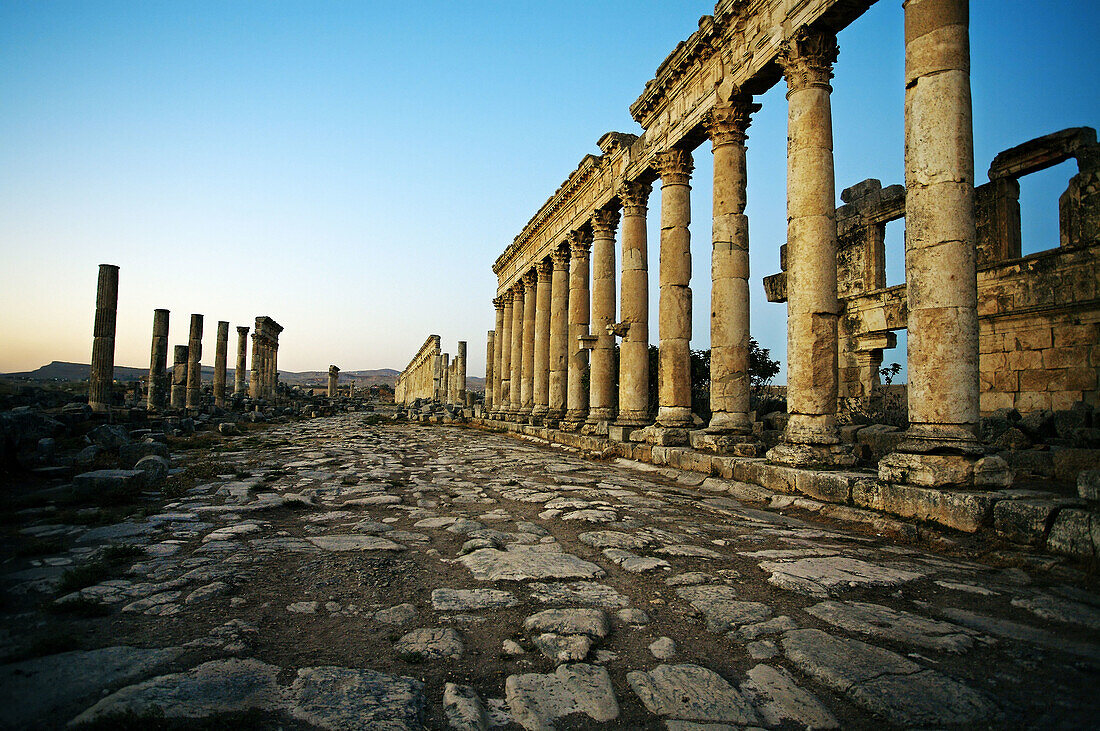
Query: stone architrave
[541, 387]
[333, 380]
[601, 399]
[157, 398]
[194, 367]
[530, 282]
[559, 335]
[580, 243]
[179, 377]
[634, 308]
[221, 356]
[729, 318]
[496, 358]
[102, 377]
[517, 351]
[239, 378]
[490, 373]
[504, 403]
[940, 255]
[674, 318]
[811, 437]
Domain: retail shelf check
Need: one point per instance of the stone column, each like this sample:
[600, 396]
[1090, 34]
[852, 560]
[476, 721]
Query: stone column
[459, 384]
[559, 335]
[179, 377]
[221, 356]
[634, 308]
[437, 377]
[601, 401]
[729, 316]
[940, 444]
[580, 244]
[255, 379]
[811, 437]
[158, 363]
[517, 350]
[504, 402]
[496, 359]
[102, 377]
[194, 368]
[445, 378]
[530, 281]
[273, 373]
[333, 380]
[239, 379]
[490, 369]
[674, 318]
[541, 388]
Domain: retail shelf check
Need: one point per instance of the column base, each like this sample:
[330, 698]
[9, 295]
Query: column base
[675, 417]
[662, 436]
[940, 438]
[811, 455]
[596, 427]
[538, 416]
[574, 419]
[740, 445]
[633, 418]
[729, 422]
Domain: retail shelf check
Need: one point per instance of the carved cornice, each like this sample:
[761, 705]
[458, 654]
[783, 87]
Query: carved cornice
[635, 197]
[604, 223]
[674, 167]
[807, 59]
[728, 123]
[684, 58]
[580, 243]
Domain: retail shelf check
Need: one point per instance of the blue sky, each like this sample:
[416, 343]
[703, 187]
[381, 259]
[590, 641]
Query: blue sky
[353, 168]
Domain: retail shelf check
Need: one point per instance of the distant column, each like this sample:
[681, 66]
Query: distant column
[530, 282]
[559, 334]
[601, 407]
[517, 350]
[460, 374]
[158, 363]
[580, 243]
[445, 379]
[492, 388]
[194, 368]
[333, 380]
[541, 389]
[221, 355]
[239, 378]
[634, 349]
[179, 377]
[503, 402]
[255, 380]
[490, 373]
[102, 376]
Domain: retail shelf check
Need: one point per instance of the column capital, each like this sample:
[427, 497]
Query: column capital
[530, 277]
[604, 223]
[242, 329]
[560, 257]
[728, 123]
[517, 294]
[807, 59]
[498, 302]
[675, 166]
[580, 243]
[545, 269]
[634, 195]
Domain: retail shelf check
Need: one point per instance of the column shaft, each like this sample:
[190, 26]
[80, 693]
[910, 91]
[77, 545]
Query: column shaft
[239, 377]
[490, 369]
[158, 363]
[602, 376]
[577, 401]
[255, 384]
[194, 367]
[179, 377]
[102, 376]
[634, 348]
[504, 342]
[541, 388]
[459, 384]
[517, 350]
[559, 334]
[221, 356]
[530, 282]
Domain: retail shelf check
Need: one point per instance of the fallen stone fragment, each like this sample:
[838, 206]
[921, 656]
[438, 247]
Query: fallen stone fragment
[303, 607]
[633, 616]
[591, 622]
[691, 578]
[723, 610]
[219, 686]
[398, 615]
[563, 648]
[592, 516]
[689, 551]
[355, 699]
[691, 693]
[463, 708]
[466, 600]
[773, 626]
[893, 624]
[1060, 610]
[663, 648]
[778, 698]
[537, 700]
[208, 591]
[430, 643]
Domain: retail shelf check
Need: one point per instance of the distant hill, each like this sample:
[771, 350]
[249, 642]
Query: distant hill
[61, 371]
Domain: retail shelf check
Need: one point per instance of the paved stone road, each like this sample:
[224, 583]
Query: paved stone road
[400, 576]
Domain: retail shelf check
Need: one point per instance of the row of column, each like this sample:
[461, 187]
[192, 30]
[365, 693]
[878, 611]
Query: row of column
[539, 348]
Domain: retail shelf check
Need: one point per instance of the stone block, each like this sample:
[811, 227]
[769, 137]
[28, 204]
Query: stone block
[1072, 533]
[1031, 339]
[1071, 357]
[620, 433]
[1039, 463]
[929, 470]
[1088, 484]
[1069, 462]
[966, 511]
[992, 472]
[1027, 401]
[109, 436]
[155, 468]
[109, 480]
[129, 454]
[1025, 521]
[880, 439]
[993, 400]
[829, 487]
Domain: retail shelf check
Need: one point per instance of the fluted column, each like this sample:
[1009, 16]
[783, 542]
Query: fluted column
[530, 281]
[490, 369]
[157, 397]
[194, 367]
[634, 308]
[504, 403]
[541, 387]
[221, 356]
[239, 378]
[333, 380]
[580, 244]
[102, 377]
[729, 316]
[179, 377]
[812, 307]
[940, 268]
[559, 334]
[517, 351]
[601, 405]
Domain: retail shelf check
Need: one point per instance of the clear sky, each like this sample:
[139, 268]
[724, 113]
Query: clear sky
[353, 169]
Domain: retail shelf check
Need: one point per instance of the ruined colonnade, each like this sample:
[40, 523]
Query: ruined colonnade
[431, 375]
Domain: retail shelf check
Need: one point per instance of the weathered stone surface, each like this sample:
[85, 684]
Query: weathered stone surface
[110, 480]
[563, 648]
[1072, 533]
[1024, 521]
[430, 643]
[219, 686]
[1059, 609]
[1088, 484]
[129, 454]
[537, 700]
[353, 698]
[591, 622]
[691, 693]
[663, 648]
[616, 539]
[463, 708]
[634, 564]
[958, 509]
[352, 542]
[822, 576]
[396, 615]
[722, 608]
[524, 563]
[465, 600]
[893, 624]
[578, 592]
[778, 698]
[1068, 463]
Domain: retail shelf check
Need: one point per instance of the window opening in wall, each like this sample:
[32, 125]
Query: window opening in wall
[1039, 193]
[895, 252]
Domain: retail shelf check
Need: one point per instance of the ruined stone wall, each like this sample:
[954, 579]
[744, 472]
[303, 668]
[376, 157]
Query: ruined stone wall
[421, 376]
